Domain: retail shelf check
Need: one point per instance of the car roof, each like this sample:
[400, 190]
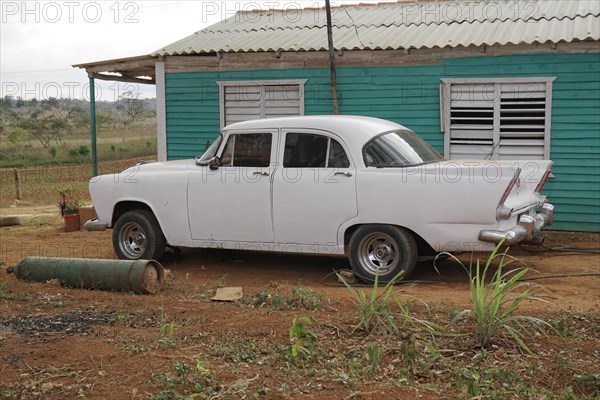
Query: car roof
[353, 129]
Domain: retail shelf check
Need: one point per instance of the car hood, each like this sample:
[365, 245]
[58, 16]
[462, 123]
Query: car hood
[156, 166]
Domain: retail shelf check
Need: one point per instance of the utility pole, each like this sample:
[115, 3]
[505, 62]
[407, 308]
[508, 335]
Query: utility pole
[93, 126]
[334, 95]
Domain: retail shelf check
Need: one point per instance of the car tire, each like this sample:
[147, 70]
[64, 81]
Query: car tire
[382, 250]
[137, 236]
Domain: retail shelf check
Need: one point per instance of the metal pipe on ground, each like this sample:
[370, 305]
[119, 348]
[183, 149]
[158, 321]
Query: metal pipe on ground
[139, 276]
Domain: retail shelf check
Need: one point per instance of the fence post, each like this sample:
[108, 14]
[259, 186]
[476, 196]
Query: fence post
[18, 183]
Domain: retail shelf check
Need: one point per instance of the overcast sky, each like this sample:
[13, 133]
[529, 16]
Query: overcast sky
[40, 40]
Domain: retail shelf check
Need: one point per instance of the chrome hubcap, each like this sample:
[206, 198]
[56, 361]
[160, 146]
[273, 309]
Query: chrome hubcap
[378, 253]
[132, 240]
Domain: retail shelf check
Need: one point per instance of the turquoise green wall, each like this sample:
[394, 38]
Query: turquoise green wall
[410, 95]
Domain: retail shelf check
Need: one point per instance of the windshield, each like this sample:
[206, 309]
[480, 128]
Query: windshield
[210, 152]
[398, 149]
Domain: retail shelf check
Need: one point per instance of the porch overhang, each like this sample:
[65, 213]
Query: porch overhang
[140, 69]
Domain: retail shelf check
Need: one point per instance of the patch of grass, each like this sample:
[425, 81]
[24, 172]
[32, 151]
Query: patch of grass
[374, 310]
[5, 292]
[304, 298]
[576, 324]
[130, 346]
[494, 303]
[498, 383]
[198, 293]
[47, 383]
[368, 365]
[238, 352]
[20, 157]
[40, 183]
[300, 298]
[188, 381]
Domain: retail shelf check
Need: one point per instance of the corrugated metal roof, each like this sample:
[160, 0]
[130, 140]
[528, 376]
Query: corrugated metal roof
[399, 26]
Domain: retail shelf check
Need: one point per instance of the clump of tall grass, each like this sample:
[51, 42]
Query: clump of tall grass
[494, 304]
[382, 310]
[374, 310]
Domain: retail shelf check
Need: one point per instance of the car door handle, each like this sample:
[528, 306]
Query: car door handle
[262, 173]
[348, 174]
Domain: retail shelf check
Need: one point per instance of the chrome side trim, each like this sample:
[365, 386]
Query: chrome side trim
[95, 225]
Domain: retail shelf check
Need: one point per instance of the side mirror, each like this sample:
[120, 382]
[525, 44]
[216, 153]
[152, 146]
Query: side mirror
[214, 163]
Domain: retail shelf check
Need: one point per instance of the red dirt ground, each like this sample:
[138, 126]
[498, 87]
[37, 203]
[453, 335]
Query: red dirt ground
[104, 361]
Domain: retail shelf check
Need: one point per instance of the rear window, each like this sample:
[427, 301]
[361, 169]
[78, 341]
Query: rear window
[398, 149]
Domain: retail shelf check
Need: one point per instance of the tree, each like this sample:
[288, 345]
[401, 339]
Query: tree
[64, 108]
[17, 135]
[45, 128]
[131, 104]
[8, 100]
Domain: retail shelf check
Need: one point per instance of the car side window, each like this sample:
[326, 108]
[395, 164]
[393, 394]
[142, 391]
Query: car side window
[303, 150]
[337, 156]
[247, 150]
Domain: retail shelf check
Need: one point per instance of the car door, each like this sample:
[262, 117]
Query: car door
[233, 202]
[314, 191]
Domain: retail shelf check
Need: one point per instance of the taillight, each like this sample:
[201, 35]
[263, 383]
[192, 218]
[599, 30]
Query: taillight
[540, 185]
[510, 187]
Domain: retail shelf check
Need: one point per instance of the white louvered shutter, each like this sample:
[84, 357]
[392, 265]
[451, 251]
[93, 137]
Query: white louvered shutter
[500, 121]
[243, 102]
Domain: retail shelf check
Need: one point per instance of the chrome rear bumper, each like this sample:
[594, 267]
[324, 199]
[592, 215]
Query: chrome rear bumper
[528, 229]
[95, 225]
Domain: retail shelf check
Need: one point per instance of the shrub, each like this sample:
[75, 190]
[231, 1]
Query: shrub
[83, 150]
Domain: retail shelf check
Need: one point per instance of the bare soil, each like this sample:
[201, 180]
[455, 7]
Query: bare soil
[67, 343]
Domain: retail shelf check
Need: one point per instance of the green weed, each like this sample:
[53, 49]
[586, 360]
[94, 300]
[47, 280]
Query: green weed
[373, 358]
[166, 334]
[302, 338]
[494, 303]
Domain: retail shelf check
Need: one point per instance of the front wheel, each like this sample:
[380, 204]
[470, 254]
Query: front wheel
[137, 236]
[383, 251]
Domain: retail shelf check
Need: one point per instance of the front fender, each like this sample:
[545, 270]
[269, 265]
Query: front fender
[164, 193]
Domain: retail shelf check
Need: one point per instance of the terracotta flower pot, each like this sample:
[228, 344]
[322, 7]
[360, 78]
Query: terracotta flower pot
[71, 223]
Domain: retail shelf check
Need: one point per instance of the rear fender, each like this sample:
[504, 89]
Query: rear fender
[532, 172]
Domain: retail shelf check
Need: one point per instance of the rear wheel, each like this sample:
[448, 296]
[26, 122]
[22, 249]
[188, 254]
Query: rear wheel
[382, 250]
[137, 236]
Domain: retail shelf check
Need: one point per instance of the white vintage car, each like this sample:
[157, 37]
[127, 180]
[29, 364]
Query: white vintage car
[330, 185]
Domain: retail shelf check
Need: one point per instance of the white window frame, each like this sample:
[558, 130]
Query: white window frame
[262, 84]
[445, 105]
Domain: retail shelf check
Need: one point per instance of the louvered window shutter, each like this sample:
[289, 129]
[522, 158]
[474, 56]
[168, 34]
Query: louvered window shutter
[244, 101]
[497, 120]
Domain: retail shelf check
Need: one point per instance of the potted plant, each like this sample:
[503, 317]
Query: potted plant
[68, 204]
